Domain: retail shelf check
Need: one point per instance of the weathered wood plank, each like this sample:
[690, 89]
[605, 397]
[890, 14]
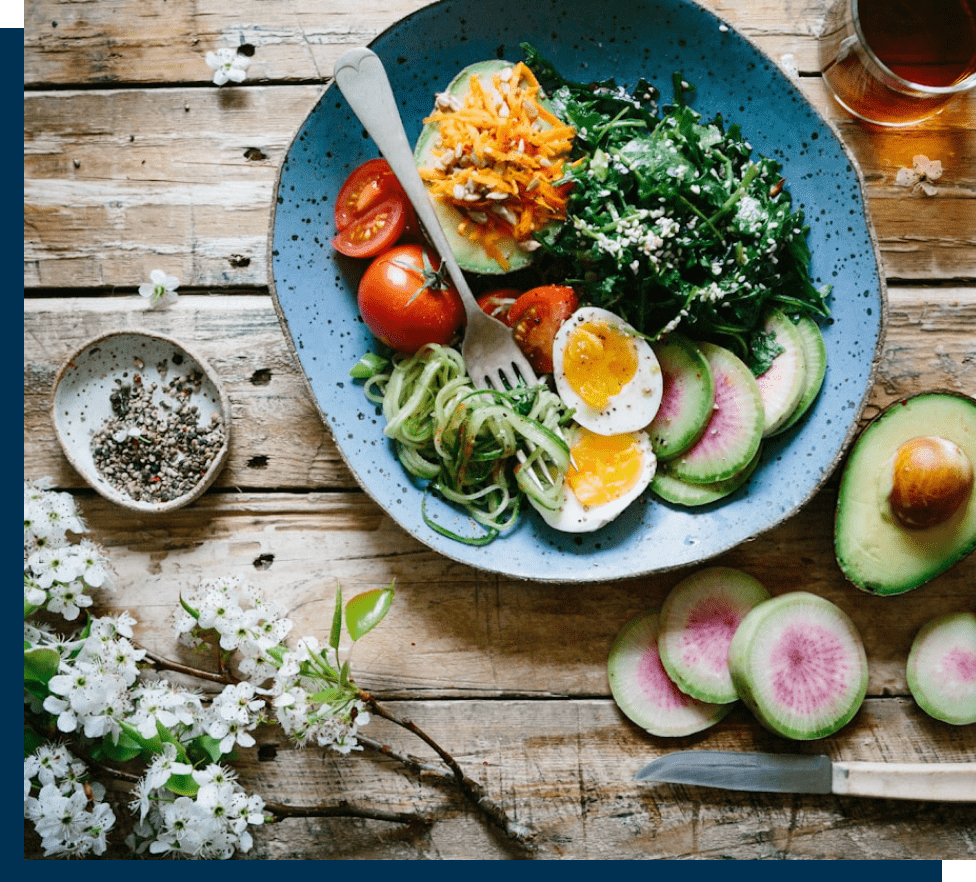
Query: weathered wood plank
[117, 183]
[120, 42]
[564, 769]
[279, 439]
[455, 630]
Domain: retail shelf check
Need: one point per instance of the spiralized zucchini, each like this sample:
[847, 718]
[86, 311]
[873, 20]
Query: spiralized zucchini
[481, 449]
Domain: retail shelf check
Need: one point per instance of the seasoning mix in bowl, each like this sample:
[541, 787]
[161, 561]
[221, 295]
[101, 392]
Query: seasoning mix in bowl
[144, 422]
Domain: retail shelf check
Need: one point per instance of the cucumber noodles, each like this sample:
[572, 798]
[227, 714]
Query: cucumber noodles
[477, 448]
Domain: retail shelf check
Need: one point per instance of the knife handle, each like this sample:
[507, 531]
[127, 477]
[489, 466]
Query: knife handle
[942, 782]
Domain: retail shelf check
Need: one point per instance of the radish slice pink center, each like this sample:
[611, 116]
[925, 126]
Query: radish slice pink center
[809, 669]
[657, 685]
[960, 664]
[708, 634]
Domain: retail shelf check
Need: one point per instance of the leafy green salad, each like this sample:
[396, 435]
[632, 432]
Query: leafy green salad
[671, 222]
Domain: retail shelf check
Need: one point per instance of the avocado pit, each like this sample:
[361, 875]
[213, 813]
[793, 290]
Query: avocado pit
[931, 478]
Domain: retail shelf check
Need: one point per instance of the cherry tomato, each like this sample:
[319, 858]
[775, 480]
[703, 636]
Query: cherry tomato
[374, 232]
[406, 303]
[498, 302]
[370, 184]
[536, 316]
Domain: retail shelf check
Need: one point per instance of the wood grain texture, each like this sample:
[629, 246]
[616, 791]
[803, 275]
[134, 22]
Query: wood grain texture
[456, 630]
[113, 42]
[119, 182]
[564, 769]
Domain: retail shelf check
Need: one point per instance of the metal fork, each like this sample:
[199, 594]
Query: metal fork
[491, 356]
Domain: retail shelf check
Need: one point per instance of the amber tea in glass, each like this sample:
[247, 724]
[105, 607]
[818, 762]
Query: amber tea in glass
[895, 62]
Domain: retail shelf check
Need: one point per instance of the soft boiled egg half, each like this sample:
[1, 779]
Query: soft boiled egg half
[606, 474]
[606, 372]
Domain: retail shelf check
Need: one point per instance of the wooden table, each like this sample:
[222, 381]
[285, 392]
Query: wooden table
[134, 160]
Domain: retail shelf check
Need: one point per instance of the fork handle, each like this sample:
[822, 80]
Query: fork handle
[362, 79]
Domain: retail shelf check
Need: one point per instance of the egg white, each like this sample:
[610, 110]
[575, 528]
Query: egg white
[638, 401]
[572, 516]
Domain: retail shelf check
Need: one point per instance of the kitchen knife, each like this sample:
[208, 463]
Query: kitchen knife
[792, 773]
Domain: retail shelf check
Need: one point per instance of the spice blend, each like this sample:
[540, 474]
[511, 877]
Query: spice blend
[154, 449]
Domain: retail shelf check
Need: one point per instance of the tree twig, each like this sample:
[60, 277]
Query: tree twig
[470, 788]
[176, 667]
[345, 810]
[411, 762]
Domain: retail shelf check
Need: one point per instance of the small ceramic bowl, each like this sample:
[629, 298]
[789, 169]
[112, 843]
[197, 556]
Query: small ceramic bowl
[125, 407]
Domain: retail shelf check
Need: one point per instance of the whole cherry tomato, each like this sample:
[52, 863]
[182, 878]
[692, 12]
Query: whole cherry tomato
[406, 302]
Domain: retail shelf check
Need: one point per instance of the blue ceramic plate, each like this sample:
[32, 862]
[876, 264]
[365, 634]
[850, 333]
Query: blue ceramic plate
[315, 289]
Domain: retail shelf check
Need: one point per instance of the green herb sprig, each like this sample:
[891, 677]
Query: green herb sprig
[672, 222]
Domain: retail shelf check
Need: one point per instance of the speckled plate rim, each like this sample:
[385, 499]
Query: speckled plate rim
[89, 473]
[578, 566]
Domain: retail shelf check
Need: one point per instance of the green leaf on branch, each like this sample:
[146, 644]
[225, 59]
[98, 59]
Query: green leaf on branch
[183, 785]
[336, 633]
[327, 696]
[365, 611]
[40, 665]
[151, 745]
[208, 746]
[121, 751]
[32, 740]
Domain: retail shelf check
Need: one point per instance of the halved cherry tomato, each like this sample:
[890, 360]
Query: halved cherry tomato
[374, 232]
[370, 184]
[498, 302]
[536, 316]
[406, 303]
[369, 187]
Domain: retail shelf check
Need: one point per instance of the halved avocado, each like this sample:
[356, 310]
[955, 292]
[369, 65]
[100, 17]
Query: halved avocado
[875, 550]
[469, 254]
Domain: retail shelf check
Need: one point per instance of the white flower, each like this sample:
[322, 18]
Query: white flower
[48, 516]
[52, 564]
[211, 826]
[163, 766]
[920, 176]
[67, 599]
[34, 595]
[67, 813]
[160, 289]
[162, 702]
[229, 65]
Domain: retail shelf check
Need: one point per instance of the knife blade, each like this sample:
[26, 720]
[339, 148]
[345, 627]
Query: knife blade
[795, 773]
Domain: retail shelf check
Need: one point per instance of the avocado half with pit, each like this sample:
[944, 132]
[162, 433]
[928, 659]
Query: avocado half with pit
[906, 509]
[468, 253]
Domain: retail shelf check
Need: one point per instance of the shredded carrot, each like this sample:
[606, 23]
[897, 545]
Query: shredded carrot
[500, 160]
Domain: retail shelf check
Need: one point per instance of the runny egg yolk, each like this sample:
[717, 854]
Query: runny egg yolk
[602, 468]
[599, 361]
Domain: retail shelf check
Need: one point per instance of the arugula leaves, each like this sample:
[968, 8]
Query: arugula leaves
[672, 223]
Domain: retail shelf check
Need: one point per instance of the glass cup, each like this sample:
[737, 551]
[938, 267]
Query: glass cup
[896, 62]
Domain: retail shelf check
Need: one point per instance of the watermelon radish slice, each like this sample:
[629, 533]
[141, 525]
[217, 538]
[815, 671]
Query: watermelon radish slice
[698, 619]
[671, 489]
[941, 668]
[687, 399]
[735, 427]
[798, 663]
[782, 385]
[644, 692]
[815, 351]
